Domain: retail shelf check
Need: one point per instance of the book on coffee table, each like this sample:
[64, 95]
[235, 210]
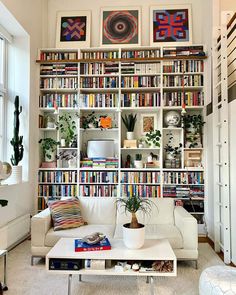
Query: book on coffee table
[81, 246]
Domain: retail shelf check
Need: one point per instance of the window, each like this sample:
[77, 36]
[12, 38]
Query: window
[3, 60]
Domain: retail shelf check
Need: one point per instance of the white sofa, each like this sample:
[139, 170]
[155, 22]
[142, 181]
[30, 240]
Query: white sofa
[102, 215]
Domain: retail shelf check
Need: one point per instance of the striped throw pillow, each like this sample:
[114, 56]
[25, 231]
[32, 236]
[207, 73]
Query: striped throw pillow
[66, 214]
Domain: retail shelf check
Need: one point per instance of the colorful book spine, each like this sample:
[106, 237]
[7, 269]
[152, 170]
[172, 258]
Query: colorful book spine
[81, 246]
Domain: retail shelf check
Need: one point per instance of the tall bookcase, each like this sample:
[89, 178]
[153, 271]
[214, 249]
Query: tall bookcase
[109, 84]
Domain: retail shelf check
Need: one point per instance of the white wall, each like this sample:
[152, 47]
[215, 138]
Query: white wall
[199, 8]
[29, 14]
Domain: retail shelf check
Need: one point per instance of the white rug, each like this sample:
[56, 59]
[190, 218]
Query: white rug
[24, 279]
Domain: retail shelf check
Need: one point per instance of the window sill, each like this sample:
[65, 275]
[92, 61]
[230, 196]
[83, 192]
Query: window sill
[5, 185]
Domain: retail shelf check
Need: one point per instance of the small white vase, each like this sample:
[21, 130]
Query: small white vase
[130, 135]
[138, 164]
[16, 175]
[52, 158]
[170, 156]
[72, 163]
[133, 237]
[63, 142]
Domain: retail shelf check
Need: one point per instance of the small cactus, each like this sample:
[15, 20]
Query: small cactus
[138, 157]
[17, 141]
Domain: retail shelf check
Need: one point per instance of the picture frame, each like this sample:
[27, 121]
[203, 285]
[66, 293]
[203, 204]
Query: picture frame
[171, 25]
[73, 29]
[148, 122]
[120, 26]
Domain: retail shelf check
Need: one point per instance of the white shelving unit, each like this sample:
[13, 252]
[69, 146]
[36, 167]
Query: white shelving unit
[115, 82]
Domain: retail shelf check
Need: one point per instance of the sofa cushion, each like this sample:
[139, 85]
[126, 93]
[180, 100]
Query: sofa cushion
[98, 210]
[66, 214]
[53, 236]
[158, 231]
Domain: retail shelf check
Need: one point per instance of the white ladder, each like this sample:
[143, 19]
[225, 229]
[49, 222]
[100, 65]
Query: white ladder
[221, 141]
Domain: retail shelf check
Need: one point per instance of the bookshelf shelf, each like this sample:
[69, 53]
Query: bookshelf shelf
[146, 81]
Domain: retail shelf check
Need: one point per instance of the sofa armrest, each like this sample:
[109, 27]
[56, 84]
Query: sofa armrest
[187, 225]
[40, 225]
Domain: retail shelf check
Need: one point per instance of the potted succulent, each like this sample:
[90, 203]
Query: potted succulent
[134, 232]
[138, 163]
[153, 138]
[129, 122]
[49, 146]
[17, 144]
[67, 127]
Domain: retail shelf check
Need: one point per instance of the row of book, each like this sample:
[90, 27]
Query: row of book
[99, 100]
[140, 99]
[44, 55]
[98, 190]
[179, 81]
[141, 177]
[177, 98]
[59, 83]
[99, 68]
[98, 177]
[57, 176]
[193, 177]
[56, 190]
[42, 204]
[140, 68]
[143, 191]
[59, 69]
[99, 163]
[148, 53]
[195, 193]
[182, 66]
[183, 51]
[68, 100]
[137, 81]
[99, 54]
[99, 82]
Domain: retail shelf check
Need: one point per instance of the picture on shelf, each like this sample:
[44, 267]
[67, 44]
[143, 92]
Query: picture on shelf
[171, 24]
[73, 29]
[148, 123]
[120, 26]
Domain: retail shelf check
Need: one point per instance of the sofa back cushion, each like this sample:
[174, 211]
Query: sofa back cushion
[125, 217]
[98, 210]
[66, 214]
[162, 211]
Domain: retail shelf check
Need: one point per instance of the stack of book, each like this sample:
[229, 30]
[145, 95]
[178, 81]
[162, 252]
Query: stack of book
[81, 246]
[99, 163]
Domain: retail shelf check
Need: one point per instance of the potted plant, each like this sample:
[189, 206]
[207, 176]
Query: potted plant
[138, 163]
[67, 127]
[129, 122]
[49, 146]
[17, 143]
[134, 232]
[153, 138]
[192, 125]
[89, 121]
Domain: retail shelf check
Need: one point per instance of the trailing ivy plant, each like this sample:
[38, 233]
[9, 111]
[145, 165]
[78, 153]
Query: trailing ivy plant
[129, 121]
[170, 149]
[67, 127]
[153, 137]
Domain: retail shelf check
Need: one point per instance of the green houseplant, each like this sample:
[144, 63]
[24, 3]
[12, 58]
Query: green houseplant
[138, 163]
[129, 122]
[17, 144]
[89, 121]
[192, 125]
[49, 146]
[134, 232]
[153, 138]
[67, 127]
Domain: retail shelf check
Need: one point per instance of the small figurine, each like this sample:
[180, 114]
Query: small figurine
[94, 238]
[128, 161]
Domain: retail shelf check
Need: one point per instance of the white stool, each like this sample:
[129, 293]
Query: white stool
[218, 280]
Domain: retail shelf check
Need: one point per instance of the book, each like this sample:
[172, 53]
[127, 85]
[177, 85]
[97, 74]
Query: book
[81, 246]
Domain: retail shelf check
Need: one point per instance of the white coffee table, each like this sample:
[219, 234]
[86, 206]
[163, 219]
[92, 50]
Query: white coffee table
[154, 250]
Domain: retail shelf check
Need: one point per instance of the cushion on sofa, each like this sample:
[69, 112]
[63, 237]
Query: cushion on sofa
[158, 231]
[66, 214]
[53, 236]
[162, 212]
[100, 210]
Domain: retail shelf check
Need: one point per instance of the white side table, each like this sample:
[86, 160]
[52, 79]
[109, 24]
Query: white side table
[3, 253]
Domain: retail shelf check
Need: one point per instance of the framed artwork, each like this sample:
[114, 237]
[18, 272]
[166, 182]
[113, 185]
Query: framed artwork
[73, 29]
[148, 122]
[171, 25]
[120, 26]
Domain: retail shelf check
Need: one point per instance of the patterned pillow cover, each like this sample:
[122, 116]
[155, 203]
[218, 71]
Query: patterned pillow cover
[66, 214]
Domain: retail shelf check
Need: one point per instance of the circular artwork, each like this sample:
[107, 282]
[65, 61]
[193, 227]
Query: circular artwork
[172, 119]
[120, 27]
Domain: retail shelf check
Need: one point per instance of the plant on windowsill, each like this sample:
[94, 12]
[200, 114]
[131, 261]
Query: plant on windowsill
[129, 122]
[17, 144]
[134, 232]
[67, 127]
[153, 138]
[49, 146]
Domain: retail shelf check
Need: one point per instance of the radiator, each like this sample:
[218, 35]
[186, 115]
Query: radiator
[14, 231]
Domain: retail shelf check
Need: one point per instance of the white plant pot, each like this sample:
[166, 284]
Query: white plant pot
[63, 142]
[53, 155]
[130, 135]
[72, 163]
[138, 164]
[170, 156]
[16, 175]
[133, 237]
